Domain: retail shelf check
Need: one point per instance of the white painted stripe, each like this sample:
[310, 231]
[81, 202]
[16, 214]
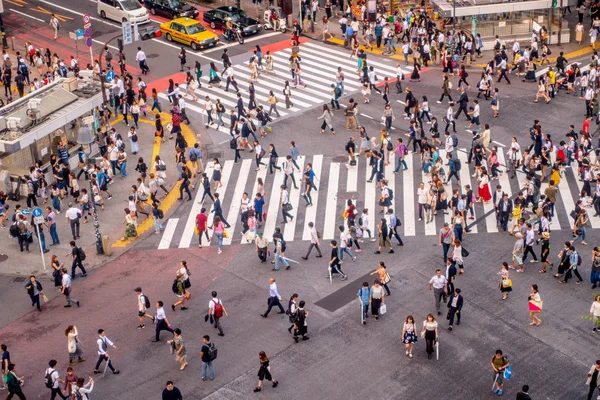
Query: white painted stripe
[225, 175]
[554, 224]
[274, 209]
[311, 212]
[290, 228]
[391, 178]
[167, 236]
[234, 207]
[246, 40]
[352, 178]
[466, 180]
[332, 196]
[188, 231]
[430, 229]
[594, 221]
[312, 76]
[565, 195]
[198, 110]
[504, 179]
[26, 15]
[498, 143]
[409, 188]
[262, 174]
[448, 187]
[370, 198]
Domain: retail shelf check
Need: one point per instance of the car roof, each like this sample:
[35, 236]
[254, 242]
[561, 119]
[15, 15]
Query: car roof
[185, 21]
[229, 9]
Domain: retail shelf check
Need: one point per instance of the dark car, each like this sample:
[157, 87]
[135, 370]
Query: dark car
[218, 18]
[171, 8]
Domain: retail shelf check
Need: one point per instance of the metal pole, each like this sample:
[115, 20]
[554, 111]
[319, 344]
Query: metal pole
[104, 99]
[454, 16]
[99, 249]
[4, 42]
[560, 19]
[37, 228]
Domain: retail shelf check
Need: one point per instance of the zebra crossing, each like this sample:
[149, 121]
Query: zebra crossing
[336, 183]
[319, 65]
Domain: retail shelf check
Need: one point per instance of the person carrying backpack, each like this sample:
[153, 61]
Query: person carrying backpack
[143, 306]
[53, 381]
[216, 310]
[208, 354]
[81, 389]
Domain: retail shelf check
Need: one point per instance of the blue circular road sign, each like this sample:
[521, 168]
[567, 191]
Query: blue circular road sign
[37, 212]
[88, 32]
[88, 42]
[110, 76]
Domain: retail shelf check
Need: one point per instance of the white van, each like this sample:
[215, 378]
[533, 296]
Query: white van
[123, 10]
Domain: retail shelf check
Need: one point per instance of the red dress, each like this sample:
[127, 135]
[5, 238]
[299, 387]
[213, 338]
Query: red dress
[484, 191]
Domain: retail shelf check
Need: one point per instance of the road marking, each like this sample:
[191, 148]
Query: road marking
[311, 212]
[18, 3]
[262, 174]
[61, 17]
[188, 231]
[165, 241]
[330, 207]
[352, 179]
[103, 44]
[466, 180]
[290, 229]
[430, 229]
[78, 13]
[409, 196]
[245, 41]
[225, 175]
[498, 143]
[274, 201]
[238, 191]
[366, 116]
[370, 200]
[26, 15]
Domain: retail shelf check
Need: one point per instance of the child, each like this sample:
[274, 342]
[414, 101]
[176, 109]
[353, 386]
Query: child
[363, 223]
[70, 380]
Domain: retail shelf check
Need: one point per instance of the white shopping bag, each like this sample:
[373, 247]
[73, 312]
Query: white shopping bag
[382, 309]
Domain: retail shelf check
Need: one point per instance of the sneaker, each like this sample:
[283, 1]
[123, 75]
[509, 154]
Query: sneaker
[67, 306]
[116, 372]
[532, 261]
[256, 389]
[358, 251]
[84, 275]
[354, 258]
[221, 334]
[345, 277]
[77, 303]
[140, 327]
[275, 383]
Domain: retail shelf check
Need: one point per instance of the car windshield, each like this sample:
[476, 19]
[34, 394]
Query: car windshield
[176, 4]
[238, 15]
[130, 5]
[196, 28]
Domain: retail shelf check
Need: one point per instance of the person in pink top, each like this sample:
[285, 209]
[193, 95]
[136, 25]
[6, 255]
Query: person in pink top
[219, 229]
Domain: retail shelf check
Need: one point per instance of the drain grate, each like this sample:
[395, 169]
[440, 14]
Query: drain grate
[3, 257]
[152, 55]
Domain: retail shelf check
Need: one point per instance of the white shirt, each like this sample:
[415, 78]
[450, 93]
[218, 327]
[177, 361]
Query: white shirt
[438, 282]
[450, 114]
[121, 86]
[449, 144]
[181, 103]
[516, 47]
[208, 105]
[343, 239]
[476, 110]
[273, 292]
[101, 341]
[244, 204]
[54, 374]
[66, 281]
[160, 313]
[211, 304]
[73, 213]
[314, 237]
[141, 303]
[284, 196]
[421, 196]
[140, 56]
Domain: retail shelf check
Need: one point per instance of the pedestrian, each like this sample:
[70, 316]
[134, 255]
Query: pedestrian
[364, 297]
[457, 256]
[218, 211]
[181, 291]
[178, 348]
[286, 206]
[35, 291]
[141, 59]
[53, 381]
[208, 353]
[73, 345]
[143, 303]
[162, 323]
[83, 389]
[409, 336]
[384, 239]
[261, 247]
[264, 372]
[595, 313]
[73, 215]
[55, 25]
[274, 299]
[430, 333]
[505, 281]
[524, 393]
[182, 59]
[13, 383]
[301, 323]
[593, 379]
[78, 257]
[217, 311]
[171, 392]
[5, 362]
[535, 305]
[70, 381]
[439, 285]
[377, 298]
[454, 308]
[334, 262]
[104, 343]
[499, 364]
[314, 241]
[383, 276]
[66, 288]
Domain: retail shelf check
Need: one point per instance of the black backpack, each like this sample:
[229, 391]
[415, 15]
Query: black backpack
[48, 379]
[233, 144]
[283, 245]
[360, 221]
[174, 287]
[457, 164]
[122, 146]
[161, 214]
[14, 230]
[81, 255]
[391, 192]
[213, 352]
[390, 146]
[146, 301]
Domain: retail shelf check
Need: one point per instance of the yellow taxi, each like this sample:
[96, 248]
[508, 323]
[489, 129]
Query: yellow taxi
[189, 31]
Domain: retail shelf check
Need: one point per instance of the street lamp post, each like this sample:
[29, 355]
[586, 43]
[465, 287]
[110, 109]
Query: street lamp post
[454, 15]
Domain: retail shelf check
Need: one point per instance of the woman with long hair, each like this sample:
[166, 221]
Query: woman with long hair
[535, 305]
[409, 336]
[73, 345]
[264, 372]
[430, 333]
[327, 120]
[384, 239]
[214, 76]
[219, 229]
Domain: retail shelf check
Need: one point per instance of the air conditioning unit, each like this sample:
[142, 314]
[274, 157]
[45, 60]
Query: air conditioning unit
[34, 104]
[12, 123]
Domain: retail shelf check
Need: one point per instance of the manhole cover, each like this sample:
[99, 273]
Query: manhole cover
[152, 55]
[3, 257]
[19, 279]
[340, 159]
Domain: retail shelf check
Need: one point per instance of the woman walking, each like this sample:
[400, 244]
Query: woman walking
[182, 59]
[287, 92]
[178, 348]
[130, 225]
[505, 281]
[535, 305]
[327, 120]
[383, 276]
[430, 333]
[409, 336]
[457, 256]
[595, 313]
[384, 239]
[219, 231]
[216, 176]
[73, 345]
[264, 372]
[214, 76]
[198, 72]
[182, 292]
[297, 79]
[377, 298]
[57, 266]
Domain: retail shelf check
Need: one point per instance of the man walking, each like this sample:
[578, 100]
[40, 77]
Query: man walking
[503, 210]
[219, 211]
[524, 393]
[439, 285]
[285, 205]
[344, 241]
[66, 288]
[364, 296]
[53, 381]
[334, 262]
[73, 215]
[171, 392]
[141, 59]
[78, 257]
[103, 344]
[217, 310]
[207, 355]
[592, 379]
[162, 323]
[301, 328]
[314, 242]
[529, 241]
[143, 304]
[454, 308]
[274, 299]
[55, 25]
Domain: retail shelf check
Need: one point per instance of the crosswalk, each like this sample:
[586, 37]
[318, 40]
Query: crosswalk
[340, 183]
[319, 65]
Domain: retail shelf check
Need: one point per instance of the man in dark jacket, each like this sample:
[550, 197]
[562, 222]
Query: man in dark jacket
[454, 308]
[13, 383]
[171, 392]
[463, 102]
[504, 209]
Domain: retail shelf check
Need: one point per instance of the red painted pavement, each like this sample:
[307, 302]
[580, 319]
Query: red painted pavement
[284, 44]
[162, 84]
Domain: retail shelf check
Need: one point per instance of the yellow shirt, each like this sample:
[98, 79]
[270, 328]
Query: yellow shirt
[552, 76]
[517, 213]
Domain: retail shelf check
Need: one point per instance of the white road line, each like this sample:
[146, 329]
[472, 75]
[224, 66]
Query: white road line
[466, 180]
[26, 15]
[498, 143]
[234, 207]
[103, 43]
[370, 200]
[554, 224]
[225, 175]
[188, 232]
[504, 181]
[274, 202]
[366, 116]
[167, 236]
[78, 13]
[408, 186]
[290, 229]
[262, 174]
[430, 229]
[352, 179]
[330, 207]
[391, 178]
[565, 195]
[448, 189]
[311, 212]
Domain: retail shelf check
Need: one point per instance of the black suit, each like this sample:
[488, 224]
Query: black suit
[452, 311]
[523, 396]
[462, 106]
[219, 211]
[504, 215]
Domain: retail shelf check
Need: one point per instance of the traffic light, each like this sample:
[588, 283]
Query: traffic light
[554, 3]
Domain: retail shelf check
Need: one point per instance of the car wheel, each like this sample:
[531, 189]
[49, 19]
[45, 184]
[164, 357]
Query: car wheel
[169, 38]
[103, 14]
[283, 30]
[213, 25]
[195, 46]
[152, 11]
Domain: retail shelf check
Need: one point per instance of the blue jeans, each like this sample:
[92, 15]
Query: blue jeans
[279, 259]
[157, 225]
[400, 161]
[344, 250]
[220, 243]
[54, 234]
[56, 203]
[211, 367]
[42, 238]
[156, 105]
[581, 236]
[123, 168]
